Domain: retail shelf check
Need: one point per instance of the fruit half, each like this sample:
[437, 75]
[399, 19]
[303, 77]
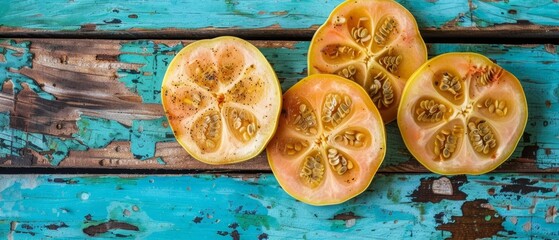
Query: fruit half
[330, 140]
[375, 43]
[462, 114]
[222, 99]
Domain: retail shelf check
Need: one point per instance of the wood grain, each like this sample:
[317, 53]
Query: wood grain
[470, 19]
[395, 206]
[95, 104]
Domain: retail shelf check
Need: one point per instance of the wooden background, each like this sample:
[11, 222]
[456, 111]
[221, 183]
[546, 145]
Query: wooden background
[80, 94]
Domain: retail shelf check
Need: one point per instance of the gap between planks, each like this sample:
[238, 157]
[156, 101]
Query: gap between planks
[493, 35]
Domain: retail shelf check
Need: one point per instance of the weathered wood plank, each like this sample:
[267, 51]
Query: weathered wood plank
[95, 103]
[395, 206]
[191, 18]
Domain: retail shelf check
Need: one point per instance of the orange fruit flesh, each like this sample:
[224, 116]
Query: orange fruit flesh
[222, 99]
[330, 141]
[374, 43]
[462, 114]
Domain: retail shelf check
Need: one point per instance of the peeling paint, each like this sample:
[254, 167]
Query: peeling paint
[101, 228]
[475, 222]
[527, 226]
[78, 16]
[13, 141]
[444, 188]
[288, 60]
[93, 133]
[349, 218]
[160, 208]
[143, 134]
[524, 186]
[551, 214]
[17, 56]
[153, 59]
[513, 220]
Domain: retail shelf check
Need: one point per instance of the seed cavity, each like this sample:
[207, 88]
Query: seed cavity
[348, 72]
[312, 170]
[335, 51]
[196, 99]
[359, 33]
[243, 124]
[487, 74]
[387, 26]
[353, 138]
[305, 120]
[338, 162]
[390, 61]
[446, 142]
[295, 147]
[208, 133]
[381, 91]
[336, 108]
[481, 136]
[452, 84]
[430, 111]
[495, 106]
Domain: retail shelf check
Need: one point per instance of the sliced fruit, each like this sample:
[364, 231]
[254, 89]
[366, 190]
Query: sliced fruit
[375, 43]
[462, 114]
[222, 99]
[330, 140]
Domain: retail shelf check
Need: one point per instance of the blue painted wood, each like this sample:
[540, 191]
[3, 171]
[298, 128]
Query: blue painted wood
[534, 65]
[396, 206]
[17, 56]
[190, 14]
[89, 15]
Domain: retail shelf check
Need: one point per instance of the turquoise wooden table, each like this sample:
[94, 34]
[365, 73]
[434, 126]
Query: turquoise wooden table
[86, 152]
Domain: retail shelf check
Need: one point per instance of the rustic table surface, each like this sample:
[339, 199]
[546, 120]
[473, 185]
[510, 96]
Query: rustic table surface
[85, 149]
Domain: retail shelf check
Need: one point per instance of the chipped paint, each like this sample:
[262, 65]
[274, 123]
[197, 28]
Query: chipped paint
[530, 63]
[442, 186]
[551, 214]
[524, 186]
[513, 220]
[162, 207]
[153, 59]
[91, 15]
[25, 182]
[111, 225]
[16, 56]
[428, 191]
[13, 142]
[475, 222]
[527, 226]
[491, 13]
[93, 133]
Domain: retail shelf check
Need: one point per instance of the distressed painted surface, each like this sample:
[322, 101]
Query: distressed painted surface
[154, 58]
[90, 15]
[489, 13]
[126, 101]
[92, 133]
[395, 206]
[15, 57]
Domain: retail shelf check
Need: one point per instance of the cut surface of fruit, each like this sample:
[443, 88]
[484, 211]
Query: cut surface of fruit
[222, 99]
[330, 140]
[462, 114]
[375, 43]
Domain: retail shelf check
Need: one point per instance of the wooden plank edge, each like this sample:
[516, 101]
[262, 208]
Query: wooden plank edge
[424, 206]
[503, 33]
